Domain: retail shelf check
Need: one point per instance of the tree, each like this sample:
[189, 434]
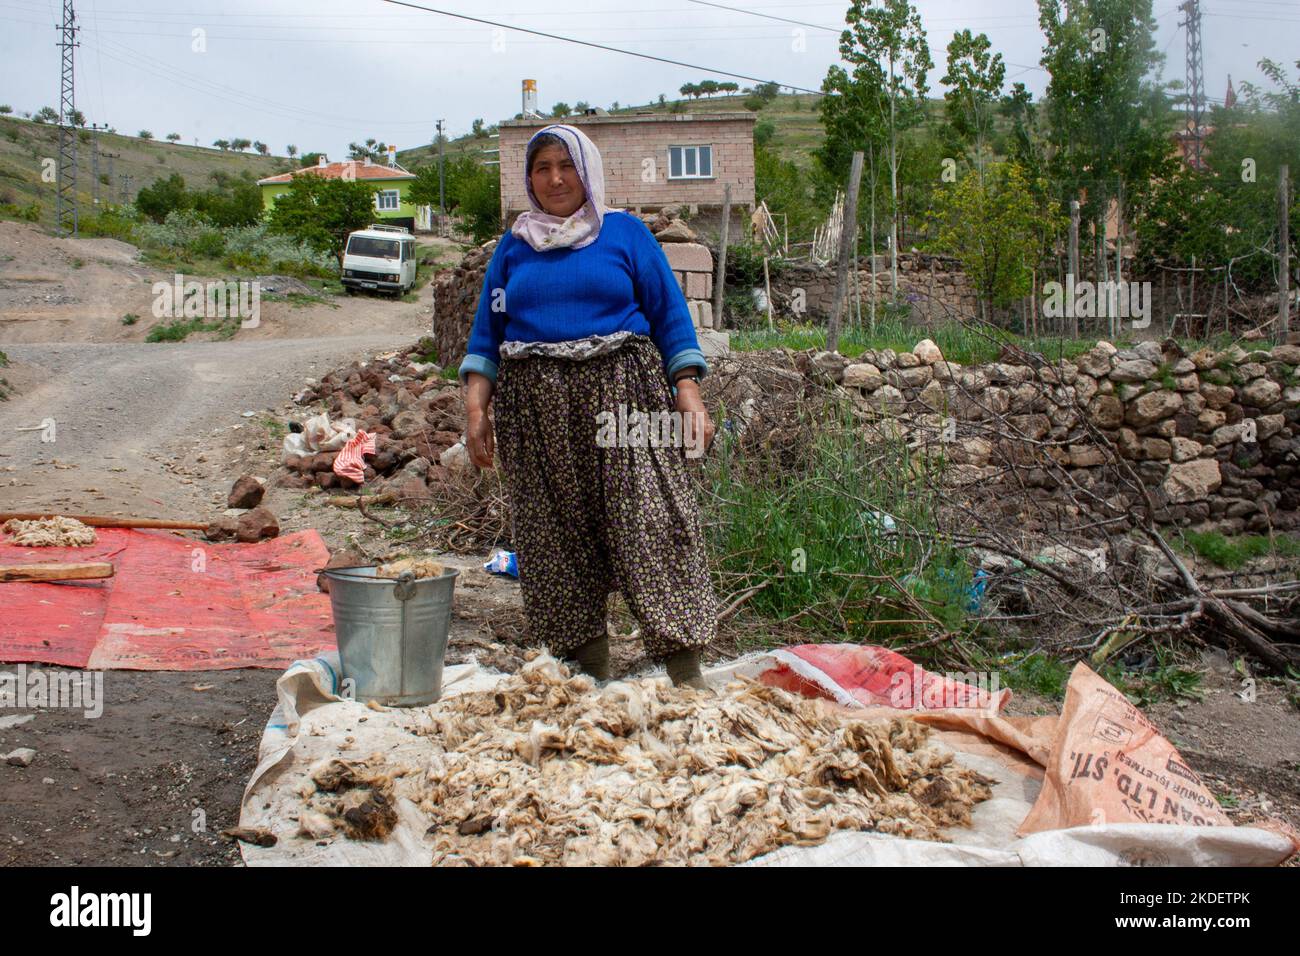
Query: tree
[144, 134]
[989, 226]
[690, 89]
[890, 41]
[310, 159]
[237, 203]
[1107, 119]
[162, 197]
[974, 79]
[320, 212]
[77, 118]
[476, 128]
[662, 99]
[613, 107]
[173, 137]
[581, 107]
[221, 144]
[240, 143]
[262, 148]
[5, 109]
[291, 151]
[46, 114]
[561, 109]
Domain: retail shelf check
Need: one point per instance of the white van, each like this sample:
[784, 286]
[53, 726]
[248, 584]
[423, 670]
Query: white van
[379, 257]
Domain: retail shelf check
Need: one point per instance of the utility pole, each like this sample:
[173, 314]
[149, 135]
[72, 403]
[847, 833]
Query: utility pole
[94, 162]
[848, 230]
[1195, 76]
[442, 188]
[720, 279]
[1072, 271]
[1284, 263]
[66, 195]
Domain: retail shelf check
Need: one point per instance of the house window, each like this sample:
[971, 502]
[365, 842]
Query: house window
[387, 199]
[690, 162]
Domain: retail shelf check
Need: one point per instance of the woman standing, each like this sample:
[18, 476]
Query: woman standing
[580, 315]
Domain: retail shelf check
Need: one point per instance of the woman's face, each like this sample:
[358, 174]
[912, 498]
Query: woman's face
[555, 181]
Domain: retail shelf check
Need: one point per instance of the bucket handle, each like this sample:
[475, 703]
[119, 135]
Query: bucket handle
[404, 589]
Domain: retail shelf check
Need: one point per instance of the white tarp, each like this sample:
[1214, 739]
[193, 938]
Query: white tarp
[311, 723]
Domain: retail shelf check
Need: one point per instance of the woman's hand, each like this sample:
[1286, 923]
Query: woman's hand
[479, 440]
[697, 427]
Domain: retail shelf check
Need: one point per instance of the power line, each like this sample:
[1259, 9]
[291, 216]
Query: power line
[598, 46]
[66, 192]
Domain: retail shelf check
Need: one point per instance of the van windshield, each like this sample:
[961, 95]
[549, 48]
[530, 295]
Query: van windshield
[372, 248]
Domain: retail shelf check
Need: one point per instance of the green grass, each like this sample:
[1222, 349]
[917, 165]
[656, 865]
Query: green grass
[966, 345]
[1233, 553]
[179, 330]
[1037, 673]
[805, 529]
[275, 427]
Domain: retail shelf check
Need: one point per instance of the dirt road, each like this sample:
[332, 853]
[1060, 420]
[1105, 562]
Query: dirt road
[123, 413]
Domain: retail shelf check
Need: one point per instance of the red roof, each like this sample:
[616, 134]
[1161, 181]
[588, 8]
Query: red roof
[347, 169]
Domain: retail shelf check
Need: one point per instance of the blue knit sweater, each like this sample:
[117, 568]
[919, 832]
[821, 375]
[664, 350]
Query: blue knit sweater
[622, 281]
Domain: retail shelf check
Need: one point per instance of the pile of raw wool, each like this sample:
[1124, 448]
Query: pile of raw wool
[546, 769]
[56, 532]
[418, 568]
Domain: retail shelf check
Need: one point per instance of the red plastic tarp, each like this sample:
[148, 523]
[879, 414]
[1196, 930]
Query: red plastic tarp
[174, 604]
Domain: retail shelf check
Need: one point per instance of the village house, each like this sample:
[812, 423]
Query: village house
[393, 206]
[653, 160]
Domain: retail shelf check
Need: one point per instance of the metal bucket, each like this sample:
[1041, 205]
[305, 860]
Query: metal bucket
[392, 633]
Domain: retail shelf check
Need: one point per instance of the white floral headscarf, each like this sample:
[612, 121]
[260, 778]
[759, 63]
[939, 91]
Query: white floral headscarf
[543, 231]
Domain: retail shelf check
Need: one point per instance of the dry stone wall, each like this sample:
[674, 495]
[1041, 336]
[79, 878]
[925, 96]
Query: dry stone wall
[1214, 436]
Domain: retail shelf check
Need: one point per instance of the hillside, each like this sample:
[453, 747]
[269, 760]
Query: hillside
[24, 144]
[797, 129]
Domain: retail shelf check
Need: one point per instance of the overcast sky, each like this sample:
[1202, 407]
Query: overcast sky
[322, 73]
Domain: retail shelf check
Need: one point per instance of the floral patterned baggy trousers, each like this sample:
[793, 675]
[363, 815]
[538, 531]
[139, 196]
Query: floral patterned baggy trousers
[589, 519]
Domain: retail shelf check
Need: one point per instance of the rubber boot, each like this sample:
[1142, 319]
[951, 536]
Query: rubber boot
[684, 668]
[593, 658]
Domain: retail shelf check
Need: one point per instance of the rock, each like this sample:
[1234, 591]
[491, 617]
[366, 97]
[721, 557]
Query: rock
[1187, 383]
[410, 422]
[913, 377]
[222, 528]
[1216, 396]
[1094, 362]
[888, 399]
[933, 396]
[832, 363]
[908, 360]
[1106, 412]
[927, 352]
[688, 257]
[972, 451]
[455, 458]
[1086, 456]
[257, 524]
[676, 231]
[1184, 449]
[1252, 370]
[1203, 359]
[22, 757]
[1228, 434]
[1269, 425]
[1261, 393]
[1192, 480]
[246, 493]
[1287, 354]
[946, 371]
[1152, 407]
[1210, 419]
[1151, 352]
[1134, 370]
[1085, 387]
[340, 559]
[1155, 449]
[862, 375]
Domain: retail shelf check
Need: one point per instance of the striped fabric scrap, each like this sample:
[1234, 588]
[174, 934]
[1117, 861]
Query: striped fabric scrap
[349, 463]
